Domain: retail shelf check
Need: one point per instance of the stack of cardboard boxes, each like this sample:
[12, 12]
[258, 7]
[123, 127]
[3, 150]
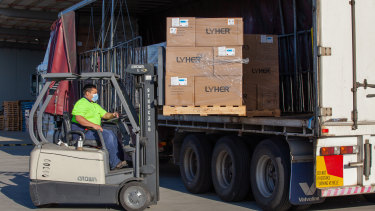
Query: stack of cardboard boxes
[203, 61]
[261, 75]
[204, 66]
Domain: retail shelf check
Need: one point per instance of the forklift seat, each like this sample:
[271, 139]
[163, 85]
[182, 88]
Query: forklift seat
[67, 126]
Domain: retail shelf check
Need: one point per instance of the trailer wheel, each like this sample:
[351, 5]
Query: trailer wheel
[195, 160]
[230, 169]
[270, 172]
[134, 196]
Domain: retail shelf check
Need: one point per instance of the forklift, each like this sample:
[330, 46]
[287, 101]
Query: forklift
[65, 174]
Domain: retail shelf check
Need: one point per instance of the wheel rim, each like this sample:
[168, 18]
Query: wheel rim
[190, 164]
[135, 197]
[224, 169]
[266, 176]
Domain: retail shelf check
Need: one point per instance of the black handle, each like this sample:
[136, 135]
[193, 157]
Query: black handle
[79, 133]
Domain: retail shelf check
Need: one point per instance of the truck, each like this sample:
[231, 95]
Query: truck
[297, 159]
[323, 143]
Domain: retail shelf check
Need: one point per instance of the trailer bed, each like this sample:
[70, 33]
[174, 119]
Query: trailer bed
[301, 125]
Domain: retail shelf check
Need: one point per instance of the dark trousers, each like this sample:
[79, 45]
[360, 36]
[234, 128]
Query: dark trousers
[110, 141]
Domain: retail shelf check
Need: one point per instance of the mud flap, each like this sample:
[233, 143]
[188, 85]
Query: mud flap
[302, 188]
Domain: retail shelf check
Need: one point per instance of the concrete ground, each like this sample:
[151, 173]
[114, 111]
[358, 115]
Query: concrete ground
[14, 190]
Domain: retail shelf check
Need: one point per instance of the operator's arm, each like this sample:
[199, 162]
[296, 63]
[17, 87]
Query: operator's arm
[109, 115]
[84, 122]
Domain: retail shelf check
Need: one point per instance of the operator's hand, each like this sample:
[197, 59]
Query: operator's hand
[98, 127]
[115, 115]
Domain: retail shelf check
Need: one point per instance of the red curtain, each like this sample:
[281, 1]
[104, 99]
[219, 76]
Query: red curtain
[63, 59]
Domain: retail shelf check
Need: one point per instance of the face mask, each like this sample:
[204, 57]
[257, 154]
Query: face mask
[95, 97]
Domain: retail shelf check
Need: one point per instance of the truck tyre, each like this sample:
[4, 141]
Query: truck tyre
[134, 196]
[230, 169]
[195, 160]
[270, 173]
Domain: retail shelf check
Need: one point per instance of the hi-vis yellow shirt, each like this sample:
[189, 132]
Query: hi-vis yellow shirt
[91, 111]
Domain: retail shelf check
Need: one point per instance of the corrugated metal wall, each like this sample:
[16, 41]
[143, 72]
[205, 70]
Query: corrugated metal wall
[16, 67]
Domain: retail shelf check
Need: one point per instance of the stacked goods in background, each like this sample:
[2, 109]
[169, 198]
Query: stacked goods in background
[12, 117]
[204, 66]
[261, 75]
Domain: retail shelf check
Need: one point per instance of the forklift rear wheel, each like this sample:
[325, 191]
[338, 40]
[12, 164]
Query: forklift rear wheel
[134, 196]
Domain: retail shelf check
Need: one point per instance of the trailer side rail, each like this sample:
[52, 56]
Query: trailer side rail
[261, 125]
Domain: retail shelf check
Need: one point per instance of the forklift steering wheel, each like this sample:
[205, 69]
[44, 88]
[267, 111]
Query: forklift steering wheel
[121, 116]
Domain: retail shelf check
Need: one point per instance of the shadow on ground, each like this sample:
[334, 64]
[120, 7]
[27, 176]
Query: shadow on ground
[170, 179]
[17, 150]
[15, 186]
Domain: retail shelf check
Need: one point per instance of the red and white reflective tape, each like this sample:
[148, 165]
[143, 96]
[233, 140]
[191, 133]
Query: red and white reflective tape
[346, 191]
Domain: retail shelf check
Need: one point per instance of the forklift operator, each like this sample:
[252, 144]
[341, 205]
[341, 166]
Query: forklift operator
[88, 114]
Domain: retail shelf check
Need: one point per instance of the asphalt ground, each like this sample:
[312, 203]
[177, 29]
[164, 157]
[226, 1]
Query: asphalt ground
[14, 187]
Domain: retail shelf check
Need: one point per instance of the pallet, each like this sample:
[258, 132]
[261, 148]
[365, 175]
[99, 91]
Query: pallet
[263, 113]
[204, 110]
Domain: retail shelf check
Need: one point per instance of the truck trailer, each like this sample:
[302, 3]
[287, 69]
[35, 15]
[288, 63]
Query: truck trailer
[323, 142]
[300, 158]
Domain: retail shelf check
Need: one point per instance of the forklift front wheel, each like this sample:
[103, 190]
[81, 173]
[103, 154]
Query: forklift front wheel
[134, 196]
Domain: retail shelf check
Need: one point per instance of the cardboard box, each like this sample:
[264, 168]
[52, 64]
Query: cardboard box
[218, 31]
[179, 90]
[192, 61]
[227, 60]
[181, 31]
[261, 75]
[218, 90]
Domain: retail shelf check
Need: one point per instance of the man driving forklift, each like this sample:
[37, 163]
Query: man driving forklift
[88, 114]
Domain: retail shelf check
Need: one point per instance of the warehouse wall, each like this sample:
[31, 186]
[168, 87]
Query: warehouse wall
[16, 66]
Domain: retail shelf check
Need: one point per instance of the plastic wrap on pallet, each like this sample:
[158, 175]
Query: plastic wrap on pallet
[153, 53]
[204, 76]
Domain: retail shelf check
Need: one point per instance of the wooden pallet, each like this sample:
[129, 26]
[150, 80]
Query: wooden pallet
[262, 113]
[204, 110]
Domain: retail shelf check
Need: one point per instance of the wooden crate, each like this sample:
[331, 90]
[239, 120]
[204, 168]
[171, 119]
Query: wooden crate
[12, 115]
[204, 110]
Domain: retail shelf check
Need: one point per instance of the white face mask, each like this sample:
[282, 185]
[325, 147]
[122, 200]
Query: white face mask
[95, 97]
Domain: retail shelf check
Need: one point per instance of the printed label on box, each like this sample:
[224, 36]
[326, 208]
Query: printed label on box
[174, 81]
[265, 39]
[175, 22]
[223, 51]
[230, 22]
[230, 52]
[173, 30]
[184, 23]
[182, 81]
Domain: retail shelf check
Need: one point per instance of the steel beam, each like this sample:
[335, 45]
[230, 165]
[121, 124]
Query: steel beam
[18, 13]
[25, 32]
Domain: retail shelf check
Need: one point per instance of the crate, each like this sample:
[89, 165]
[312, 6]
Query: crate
[205, 110]
[25, 109]
[12, 115]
